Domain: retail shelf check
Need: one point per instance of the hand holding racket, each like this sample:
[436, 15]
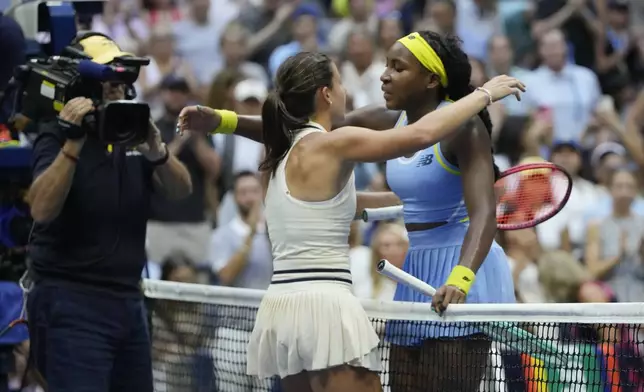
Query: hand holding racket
[446, 295]
[503, 332]
[527, 195]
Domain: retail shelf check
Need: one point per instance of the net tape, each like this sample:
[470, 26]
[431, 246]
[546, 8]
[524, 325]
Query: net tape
[206, 345]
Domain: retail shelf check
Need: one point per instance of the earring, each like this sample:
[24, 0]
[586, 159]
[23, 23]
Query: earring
[330, 103]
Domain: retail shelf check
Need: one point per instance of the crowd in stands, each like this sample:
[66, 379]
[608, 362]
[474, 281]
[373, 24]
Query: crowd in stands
[583, 64]
[582, 61]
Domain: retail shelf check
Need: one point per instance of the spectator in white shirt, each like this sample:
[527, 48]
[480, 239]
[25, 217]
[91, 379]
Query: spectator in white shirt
[197, 41]
[501, 62]
[361, 71]
[570, 92]
[240, 251]
[476, 22]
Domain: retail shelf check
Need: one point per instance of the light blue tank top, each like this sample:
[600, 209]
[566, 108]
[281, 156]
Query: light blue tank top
[431, 191]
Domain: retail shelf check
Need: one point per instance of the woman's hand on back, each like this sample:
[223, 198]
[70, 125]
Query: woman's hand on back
[199, 119]
[501, 86]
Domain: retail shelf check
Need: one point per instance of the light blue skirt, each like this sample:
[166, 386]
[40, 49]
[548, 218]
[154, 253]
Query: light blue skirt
[433, 264]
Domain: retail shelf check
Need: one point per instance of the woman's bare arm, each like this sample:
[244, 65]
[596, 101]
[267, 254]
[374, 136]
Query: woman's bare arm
[364, 145]
[472, 147]
[375, 117]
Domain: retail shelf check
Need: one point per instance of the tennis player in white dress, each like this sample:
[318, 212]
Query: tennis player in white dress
[310, 329]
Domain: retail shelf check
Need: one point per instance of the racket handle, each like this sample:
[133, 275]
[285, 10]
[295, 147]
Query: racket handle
[379, 214]
[400, 276]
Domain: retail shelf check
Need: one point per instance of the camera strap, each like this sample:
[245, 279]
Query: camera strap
[72, 131]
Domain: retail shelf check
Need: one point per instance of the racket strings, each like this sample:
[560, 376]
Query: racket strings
[528, 196]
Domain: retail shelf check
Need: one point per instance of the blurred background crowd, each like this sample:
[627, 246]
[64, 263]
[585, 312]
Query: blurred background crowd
[581, 59]
[583, 63]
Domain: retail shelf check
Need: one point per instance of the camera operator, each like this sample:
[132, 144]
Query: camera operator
[90, 202]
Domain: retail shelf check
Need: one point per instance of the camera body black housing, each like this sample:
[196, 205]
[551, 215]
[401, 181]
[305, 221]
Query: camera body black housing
[46, 85]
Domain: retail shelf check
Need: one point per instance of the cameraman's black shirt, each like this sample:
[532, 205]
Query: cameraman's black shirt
[98, 239]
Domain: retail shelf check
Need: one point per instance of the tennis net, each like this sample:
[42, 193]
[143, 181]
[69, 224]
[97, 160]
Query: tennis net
[200, 333]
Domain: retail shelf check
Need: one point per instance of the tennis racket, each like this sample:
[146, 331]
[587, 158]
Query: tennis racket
[502, 332]
[526, 196]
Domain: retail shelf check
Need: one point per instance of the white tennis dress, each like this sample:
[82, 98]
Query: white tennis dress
[309, 318]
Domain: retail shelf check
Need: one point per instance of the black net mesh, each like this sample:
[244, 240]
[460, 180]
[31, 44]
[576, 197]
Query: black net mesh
[202, 347]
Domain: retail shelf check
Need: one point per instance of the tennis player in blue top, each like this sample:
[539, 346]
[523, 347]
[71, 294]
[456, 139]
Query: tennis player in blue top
[449, 209]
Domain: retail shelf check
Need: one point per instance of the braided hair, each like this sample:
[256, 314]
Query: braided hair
[459, 72]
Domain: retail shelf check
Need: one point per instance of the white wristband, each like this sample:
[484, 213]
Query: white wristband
[487, 92]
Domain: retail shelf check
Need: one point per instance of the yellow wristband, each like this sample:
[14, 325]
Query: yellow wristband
[462, 278]
[228, 122]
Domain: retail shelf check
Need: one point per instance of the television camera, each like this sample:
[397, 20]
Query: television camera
[45, 85]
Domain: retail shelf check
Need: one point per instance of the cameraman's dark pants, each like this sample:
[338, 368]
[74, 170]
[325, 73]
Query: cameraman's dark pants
[84, 341]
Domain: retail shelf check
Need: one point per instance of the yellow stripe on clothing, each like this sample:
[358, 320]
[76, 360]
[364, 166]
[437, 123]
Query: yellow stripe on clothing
[441, 162]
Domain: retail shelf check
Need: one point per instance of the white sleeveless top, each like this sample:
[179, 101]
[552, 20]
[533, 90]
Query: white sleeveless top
[310, 240]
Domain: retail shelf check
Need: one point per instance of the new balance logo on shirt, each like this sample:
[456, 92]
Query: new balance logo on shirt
[425, 160]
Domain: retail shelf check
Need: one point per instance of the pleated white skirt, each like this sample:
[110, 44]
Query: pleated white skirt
[310, 326]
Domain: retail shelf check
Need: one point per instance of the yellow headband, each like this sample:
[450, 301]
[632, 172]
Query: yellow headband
[424, 53]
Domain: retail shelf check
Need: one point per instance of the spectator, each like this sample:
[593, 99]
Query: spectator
[190, 35]
[442, 13]
[570, 92]
[476, 22]
[361, 71]
[616, 53]
[629, 287]
[164, 62]
[565, 280]
[238, 153]
[360, 15]
[120, 22]
[605, 159]
[501, 62]
[518, 28]
[161, 12]
[235, 50]
[566, 230]
[267, 23]
[523, 250]
[613, 243]
[182, 225]
[389, 31]
[175, 331]
[304, 29]
[576, 20]
[240, 251]
[389, 242]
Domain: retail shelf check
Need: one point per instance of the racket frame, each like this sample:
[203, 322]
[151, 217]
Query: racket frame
[545, 217]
